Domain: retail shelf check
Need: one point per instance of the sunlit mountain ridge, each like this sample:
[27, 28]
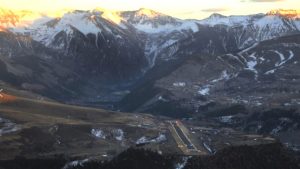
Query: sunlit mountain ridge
[25, 18]
[285, 13]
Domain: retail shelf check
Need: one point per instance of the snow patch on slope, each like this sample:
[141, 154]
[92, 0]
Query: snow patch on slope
[204, 91]
[144, 140]
[251, 64]
[118, 134]
[8, 126]
[224, 76]
[98, 133]
[77, 163]
[183, 163]
[179, 84]
[167, 28]
[283, 60]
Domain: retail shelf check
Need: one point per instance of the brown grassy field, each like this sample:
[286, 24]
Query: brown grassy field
[5, 98]
[47, 128]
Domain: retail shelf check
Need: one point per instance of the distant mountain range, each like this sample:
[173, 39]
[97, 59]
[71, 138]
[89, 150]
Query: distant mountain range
[160, 31]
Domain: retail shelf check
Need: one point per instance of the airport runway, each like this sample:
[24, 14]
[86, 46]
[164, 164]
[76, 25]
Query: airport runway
[185, 143]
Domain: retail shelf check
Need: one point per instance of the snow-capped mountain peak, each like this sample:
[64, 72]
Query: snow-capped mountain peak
[146, 21]
[149, 21]
[234, 20]
[216, 16]
[278, 20]
[285, 13]
[147, 16]
[45, 29]
[110, 15]
[148, 12]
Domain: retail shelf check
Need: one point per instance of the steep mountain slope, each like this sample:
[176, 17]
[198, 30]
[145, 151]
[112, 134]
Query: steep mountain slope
[216, 36]
[94, 49]
[92, 44]
[123, 26]
[159, 32]
[259, 69]
[255, 27]
[252, 69]
[28, 65]
[232, 32]
[99, 46]
[144, 29]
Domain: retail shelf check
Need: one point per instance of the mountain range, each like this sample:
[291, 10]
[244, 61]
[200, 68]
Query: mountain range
[237, 68]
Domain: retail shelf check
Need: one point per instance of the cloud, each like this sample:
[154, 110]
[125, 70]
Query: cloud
[262, 0]
[186, 13]
[208, 10]
[214, 10]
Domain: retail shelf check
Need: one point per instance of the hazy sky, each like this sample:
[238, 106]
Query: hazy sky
[180, 8]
